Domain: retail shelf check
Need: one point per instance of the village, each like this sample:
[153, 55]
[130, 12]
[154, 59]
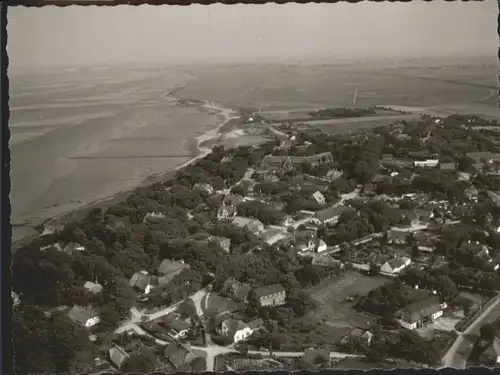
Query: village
[393, 251]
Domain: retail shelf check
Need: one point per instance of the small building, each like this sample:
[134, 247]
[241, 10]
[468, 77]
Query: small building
[153, 216]
[201, 186]
[271, 295]
[306, 245]
[118, 356]
[256, 325]
[356, 337]
[273, 235]
[319, 198]
[329, 215]
[177, 328]
[167, 270]
[84, 316]
[226, 212]
[321, 246]
[397, 237]
[179, 354]
[334, 174]
[276, 163]
[253, 225]
[235, 329]
[323, 260]
[143, 281]
[396, 265]
[429, 163]
[447, 166]
[223, 242]
[419, 313]
[94, 288]
[238, 291]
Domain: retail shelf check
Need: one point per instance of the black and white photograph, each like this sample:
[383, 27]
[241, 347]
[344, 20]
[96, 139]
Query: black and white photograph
[213, 188]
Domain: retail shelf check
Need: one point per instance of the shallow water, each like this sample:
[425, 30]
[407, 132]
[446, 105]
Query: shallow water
[64, 123]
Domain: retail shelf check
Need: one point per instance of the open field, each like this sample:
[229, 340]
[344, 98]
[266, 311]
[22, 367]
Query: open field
[335, 310]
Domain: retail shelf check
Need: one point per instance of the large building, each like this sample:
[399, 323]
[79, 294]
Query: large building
[271, 295]
[420, 313]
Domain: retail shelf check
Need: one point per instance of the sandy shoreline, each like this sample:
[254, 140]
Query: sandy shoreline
[199, 147]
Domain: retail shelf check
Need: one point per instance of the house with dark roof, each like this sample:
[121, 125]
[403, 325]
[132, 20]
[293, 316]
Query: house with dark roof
[223, 242]
[329, 215]
[327, 261]
[256, 324]
[179, 354]
[176, 328]
[420, 313]
[271, 295]
[235, 329]
[395, 265]
[236, 290]
[447, 166]
[168, 269]
[397, 237]
[84, 315]
[276, 163]
[143, 281]
[118, 356]
[356, 337]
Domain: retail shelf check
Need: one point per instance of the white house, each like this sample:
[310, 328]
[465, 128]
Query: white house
[151, 216]
[321, 246]
[236, 330]
[429, 163]
[395, 265]
[85, 316]
[320, 198]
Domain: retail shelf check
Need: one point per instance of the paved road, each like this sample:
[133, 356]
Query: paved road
[460, 350]
[137, 316]
[213, 351]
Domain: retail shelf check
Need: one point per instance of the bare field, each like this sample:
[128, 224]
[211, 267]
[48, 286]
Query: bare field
[335, 310]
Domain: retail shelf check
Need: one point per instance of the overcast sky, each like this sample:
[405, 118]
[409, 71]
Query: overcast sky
[99, 35]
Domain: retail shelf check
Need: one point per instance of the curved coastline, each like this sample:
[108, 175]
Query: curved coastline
[196, 146]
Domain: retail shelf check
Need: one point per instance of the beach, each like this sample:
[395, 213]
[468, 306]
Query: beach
[81, 136]
[64, 159]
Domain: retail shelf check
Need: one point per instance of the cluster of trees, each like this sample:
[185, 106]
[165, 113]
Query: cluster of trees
[407, 345]
[366, 218]
[50, 343]
[264, 212]
[343, 112]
